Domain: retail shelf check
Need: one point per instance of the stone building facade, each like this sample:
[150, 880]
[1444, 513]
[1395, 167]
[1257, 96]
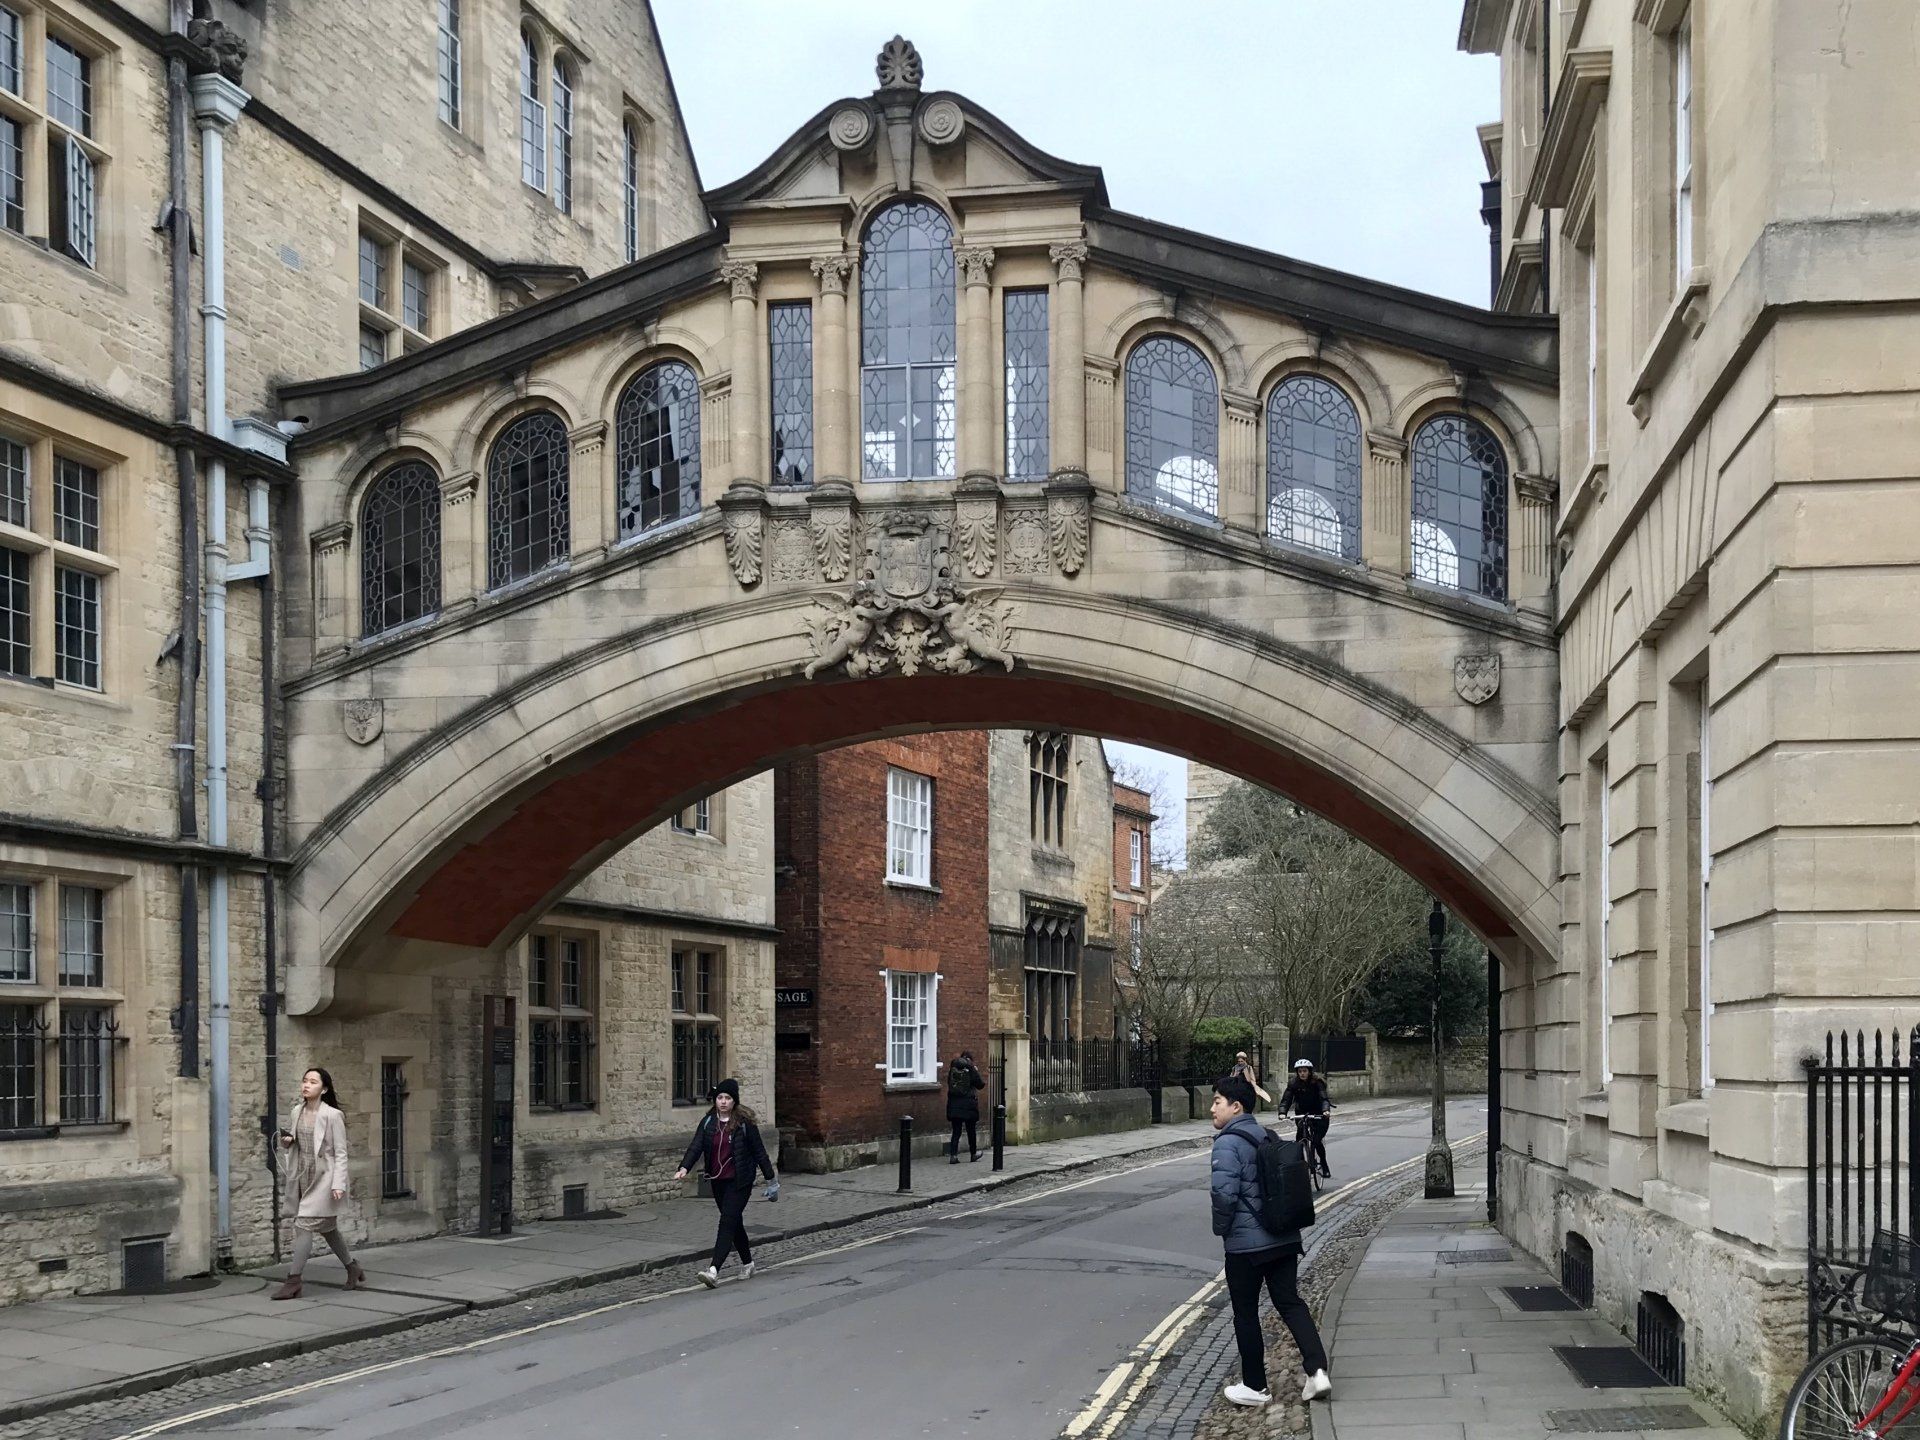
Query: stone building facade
[1718, 203]
[347, 234]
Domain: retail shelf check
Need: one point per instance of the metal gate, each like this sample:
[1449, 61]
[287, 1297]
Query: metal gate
[1863, 1134]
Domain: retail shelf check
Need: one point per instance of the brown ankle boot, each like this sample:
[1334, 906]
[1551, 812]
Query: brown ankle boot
[356, 1277]
[289, 1289]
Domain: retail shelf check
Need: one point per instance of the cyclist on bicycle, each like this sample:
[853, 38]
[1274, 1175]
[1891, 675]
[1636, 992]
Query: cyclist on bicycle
[1306, 1097]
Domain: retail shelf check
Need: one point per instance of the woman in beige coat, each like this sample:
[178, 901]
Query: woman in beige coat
[314, 1153]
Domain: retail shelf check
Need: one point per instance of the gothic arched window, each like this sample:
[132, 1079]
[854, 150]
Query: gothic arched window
[1173, 428]
[907, 345]
[657, 447]
[1313, 467]
[1460, 507]
[399, 548]
[527, 510]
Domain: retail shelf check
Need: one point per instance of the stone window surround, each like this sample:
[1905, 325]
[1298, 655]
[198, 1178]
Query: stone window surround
[398, 250]
[28, 109]
[586, 1011]
[39, 540]
[688, 1014]
[704, 819]
[551, 51]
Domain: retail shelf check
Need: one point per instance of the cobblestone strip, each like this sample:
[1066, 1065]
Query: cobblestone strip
[114, 1418]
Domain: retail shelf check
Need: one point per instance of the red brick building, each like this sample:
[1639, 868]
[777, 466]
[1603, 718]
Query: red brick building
[1133, 819]
[881, 972]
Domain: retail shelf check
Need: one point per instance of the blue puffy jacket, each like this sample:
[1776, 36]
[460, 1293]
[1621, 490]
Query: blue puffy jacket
[1236, 1191]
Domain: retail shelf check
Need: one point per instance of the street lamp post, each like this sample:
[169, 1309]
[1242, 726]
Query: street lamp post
[1439, 1152]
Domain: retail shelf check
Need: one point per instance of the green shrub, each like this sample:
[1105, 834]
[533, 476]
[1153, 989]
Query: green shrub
[1225, 1030]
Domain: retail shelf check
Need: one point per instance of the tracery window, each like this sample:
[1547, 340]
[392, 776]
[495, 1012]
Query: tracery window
[1460, 507]
[790, 361]
[400, 548]
[1048, 754]
[533, 117]
[528, 514]
[657, 439]
[1313, 467]
[907, 345]
[1173, 428]
[1027, 424]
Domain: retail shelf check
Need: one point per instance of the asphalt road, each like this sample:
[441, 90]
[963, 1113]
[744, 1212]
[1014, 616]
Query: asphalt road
[999, 1319]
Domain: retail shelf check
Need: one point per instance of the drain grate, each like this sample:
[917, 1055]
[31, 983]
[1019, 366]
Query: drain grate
[1626, 1417]
[1539, 1298]
[1476, 1257]
[1610, 1367]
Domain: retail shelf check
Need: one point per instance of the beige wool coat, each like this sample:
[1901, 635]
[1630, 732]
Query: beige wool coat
[330, 1167]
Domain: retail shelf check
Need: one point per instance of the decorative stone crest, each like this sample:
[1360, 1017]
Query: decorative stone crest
[1069, 521]
[363, 720]
[790, 550]
[941, 121]
[851, 127]
[899, 65]
[905, 614]
[1476, 678]
[1026, 549]
[744, 515]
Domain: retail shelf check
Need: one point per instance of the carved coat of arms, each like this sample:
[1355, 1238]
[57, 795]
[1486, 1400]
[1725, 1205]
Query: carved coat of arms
[904, 613]
[363, 720]
[1476, 678]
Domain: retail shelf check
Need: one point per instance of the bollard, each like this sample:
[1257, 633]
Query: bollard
[1000, 1137]
[1159, 1099]
[906, 1154]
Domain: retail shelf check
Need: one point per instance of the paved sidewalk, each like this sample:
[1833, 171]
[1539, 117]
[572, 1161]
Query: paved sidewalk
[1426, 1349]
[92, 1348]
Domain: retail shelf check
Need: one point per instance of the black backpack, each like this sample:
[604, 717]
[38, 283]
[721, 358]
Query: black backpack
[1286, 1185]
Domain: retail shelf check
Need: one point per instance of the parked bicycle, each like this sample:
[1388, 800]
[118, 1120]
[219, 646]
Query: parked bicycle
[1867, 1388]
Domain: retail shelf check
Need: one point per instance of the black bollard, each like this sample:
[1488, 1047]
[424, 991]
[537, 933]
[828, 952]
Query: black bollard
[1158, 1097]
[906, 1154]
[1000, 1137]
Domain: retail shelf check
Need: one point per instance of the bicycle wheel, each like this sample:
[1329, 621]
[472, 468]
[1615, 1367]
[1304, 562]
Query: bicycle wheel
[1841, 1385]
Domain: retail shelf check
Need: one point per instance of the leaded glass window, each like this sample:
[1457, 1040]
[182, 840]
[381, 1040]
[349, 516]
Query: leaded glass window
[373, 347]
[416, 296]
[69, 86]
[1173, 428]
[16, 613]
[562, 135]
[16, 931]
[15, 492]
[373, 271]
[76, 627]
[907, 345]
[87, 1035]
[657, 435]
[450, 62]
[1460, 507]
[790, 332]
[400, 548]
[76, 503]
[533, 118]
[1025, 315]
[13, 177]
[630, 187]
[83, 935]
[527, 499]
[10, 51]
[1313, 467]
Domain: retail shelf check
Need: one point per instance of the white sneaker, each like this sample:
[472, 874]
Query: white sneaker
[1238, 1394]
[709, 1277]
[746, 1271]
[1318, 1384]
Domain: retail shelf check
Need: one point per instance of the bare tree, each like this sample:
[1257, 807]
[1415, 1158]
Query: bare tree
[1166, 843]
[1172, 978]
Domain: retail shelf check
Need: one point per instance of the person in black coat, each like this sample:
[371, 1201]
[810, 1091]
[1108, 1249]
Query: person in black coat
[729, 1143]
[964, 1084]
[1306, 1094]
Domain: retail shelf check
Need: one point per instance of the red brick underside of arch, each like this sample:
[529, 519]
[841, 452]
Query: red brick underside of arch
[482, 888]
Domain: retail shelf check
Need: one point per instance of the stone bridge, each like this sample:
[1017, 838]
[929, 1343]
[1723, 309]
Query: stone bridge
[925, 434]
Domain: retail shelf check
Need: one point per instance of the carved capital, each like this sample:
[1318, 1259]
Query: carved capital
[975, 261]
[742, 276]
[743, 512]
[1069, 259]
[1535, 490]
[1384, 445]
[588, 438]
[329, 540]
[459, 489]
[832, 271]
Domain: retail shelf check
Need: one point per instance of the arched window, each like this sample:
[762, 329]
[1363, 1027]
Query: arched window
[630, 186]
[1173, 428]
[1313, 467]
[399, 548]
[1460, 507]
[563, 133]
[533, 117]
[657, 447]
[527, 510]
[907, 341]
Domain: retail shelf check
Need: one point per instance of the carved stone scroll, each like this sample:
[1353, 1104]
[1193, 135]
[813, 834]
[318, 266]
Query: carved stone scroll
[1069, 521]
[744, 512]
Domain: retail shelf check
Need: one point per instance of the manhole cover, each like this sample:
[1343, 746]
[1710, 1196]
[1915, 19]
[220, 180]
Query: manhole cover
[1539, 1297]
[1610, 1367]
[1475, 1257]
[1626, 1417]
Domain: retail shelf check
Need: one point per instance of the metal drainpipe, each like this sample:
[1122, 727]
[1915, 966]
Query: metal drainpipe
[217, 103]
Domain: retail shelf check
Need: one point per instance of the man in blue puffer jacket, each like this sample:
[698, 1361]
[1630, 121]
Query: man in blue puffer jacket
[1256, 1256]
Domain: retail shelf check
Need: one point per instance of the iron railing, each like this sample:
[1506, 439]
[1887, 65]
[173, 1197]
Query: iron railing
[1863, 1136]
[55, 1074]
[1330, 1053]
[1057, 1067]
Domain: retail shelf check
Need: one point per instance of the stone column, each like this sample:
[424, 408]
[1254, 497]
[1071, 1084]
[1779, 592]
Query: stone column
[588, 490]
[1386, 512]
[976, 365]
[459, 583]
[1530, 543]
[833, 401]
[330, 588]
[1240, 463]
[1069, 438]
[749, 463]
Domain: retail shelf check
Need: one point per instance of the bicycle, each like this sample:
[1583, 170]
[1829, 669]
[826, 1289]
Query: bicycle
[1310, 1145]
[1866, 1388]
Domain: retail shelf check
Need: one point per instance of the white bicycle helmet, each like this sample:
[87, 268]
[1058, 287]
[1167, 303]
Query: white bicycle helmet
[1303, 1064]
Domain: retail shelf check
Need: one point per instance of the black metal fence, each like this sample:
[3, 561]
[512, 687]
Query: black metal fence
[54, 1075]
[1057, 1067]
[1863, 1135]
[1330, 1053]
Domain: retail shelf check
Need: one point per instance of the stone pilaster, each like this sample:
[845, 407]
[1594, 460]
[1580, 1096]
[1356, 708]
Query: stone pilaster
[743, 279]
[330, 580]
[1069, 439]
[976, 364]
[1386, 511]
[834, 422]
[459, 542]
[1530, 543]
[1239, 504]
[589, 489]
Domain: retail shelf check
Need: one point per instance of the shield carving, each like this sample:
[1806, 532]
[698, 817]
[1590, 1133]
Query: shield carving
[907, 558]
[1476, 678]
[363, 720]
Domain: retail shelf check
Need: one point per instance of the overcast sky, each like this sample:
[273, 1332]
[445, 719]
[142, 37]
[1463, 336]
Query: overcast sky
[1335, 131]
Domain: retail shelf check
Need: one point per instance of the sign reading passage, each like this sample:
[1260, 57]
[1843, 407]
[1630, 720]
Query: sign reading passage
[785, 998]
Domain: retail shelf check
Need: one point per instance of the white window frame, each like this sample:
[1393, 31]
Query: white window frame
[909, 828]
[697, 818]
[1683, 150]
[913, 1027]
[533, 116]
[1136, 935]
[560, 111]
[448, 58]
[1135, 852]
[630, 186]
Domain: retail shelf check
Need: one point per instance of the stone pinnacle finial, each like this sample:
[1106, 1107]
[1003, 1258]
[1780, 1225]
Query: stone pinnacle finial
[899, 65]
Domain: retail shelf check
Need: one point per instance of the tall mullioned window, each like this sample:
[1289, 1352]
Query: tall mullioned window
[1313, 467]
[563, 134]
[533, 117]
[790, 362]
[1048, 756]
[630, 158]
[449, 62]
[1683, 150]
[562, 1000]
[52, 158]
[908, 340]
[696, 1004]
[1173, 428]
[657, 447]
[59, 1041]
[1460, 507]
[400, 548]
[528, 509]
[1025, 317]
